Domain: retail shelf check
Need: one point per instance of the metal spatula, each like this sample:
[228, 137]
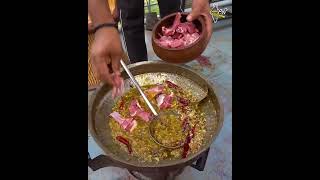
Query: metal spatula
[136, 84]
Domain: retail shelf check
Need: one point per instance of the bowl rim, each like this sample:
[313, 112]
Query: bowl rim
[200, 19]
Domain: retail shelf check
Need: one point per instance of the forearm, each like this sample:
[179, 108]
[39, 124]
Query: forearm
[99, 11]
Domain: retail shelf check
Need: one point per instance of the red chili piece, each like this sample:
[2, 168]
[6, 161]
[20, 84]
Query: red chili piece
[121, 104]
[126, 142]
[186, 146]
[171, 84]
[193, 130]
[185, 123]
[183, 101]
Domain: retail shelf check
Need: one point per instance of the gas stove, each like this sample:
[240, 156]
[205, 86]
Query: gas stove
[103, 161]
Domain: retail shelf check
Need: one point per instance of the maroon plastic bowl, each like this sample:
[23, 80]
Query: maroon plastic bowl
[184, 54]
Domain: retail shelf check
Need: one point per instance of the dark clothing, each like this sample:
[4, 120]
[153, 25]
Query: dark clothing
[132, 17]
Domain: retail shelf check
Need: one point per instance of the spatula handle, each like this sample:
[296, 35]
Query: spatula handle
[136, 84]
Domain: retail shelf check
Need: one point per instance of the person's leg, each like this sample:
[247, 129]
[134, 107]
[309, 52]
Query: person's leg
[132, 20]
[170, 6]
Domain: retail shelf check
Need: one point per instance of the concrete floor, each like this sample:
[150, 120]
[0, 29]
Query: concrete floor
[219, 162]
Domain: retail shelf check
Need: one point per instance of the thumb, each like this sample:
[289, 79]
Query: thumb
[194, 14]
[190, 17]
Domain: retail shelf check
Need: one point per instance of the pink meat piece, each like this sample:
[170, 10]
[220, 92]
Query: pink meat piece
[154, 91]
[126, 123]
[167, 101]
[178, 35]
[134, 107]
[136, 110]
[166, 38]
[165, 41]
[167, 31]
[191, 27]
[190, 38]
[145, 116]
[176, 21]
[187, 39]
[195, 35]
[131, 126]
[116, 116]
[186, 27]
[172, 29]
[182, 28]
[160, 99]
[164, 101]
[204, 60]
[176, 43]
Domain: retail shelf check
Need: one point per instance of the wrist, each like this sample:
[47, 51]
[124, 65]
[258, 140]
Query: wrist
[105, 25]
[106, 31]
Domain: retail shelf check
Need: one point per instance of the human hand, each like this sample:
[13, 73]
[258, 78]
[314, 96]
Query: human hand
[202, 8]
[106, 52]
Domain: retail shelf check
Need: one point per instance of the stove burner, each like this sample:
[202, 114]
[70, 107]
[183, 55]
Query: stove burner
[157, 176]
[103, 161]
